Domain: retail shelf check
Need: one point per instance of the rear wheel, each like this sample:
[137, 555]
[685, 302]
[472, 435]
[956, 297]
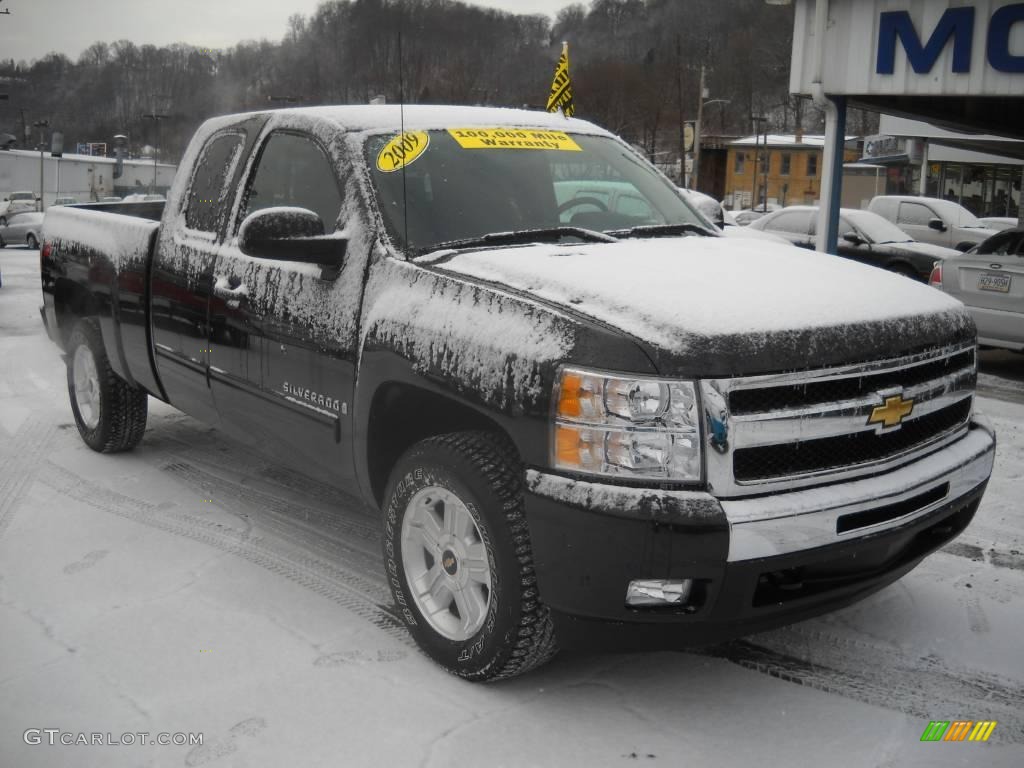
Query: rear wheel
[31, 242]
[109, 412]
[458, 558]
[3, 221]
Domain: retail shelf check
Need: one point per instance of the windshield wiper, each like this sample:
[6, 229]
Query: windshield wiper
[664, 230]
[524, 236]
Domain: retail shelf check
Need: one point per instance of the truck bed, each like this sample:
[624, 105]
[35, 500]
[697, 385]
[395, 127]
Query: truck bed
[100, 256]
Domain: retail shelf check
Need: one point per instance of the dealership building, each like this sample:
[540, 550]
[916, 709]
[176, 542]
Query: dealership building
[954, 67]
[83, 177]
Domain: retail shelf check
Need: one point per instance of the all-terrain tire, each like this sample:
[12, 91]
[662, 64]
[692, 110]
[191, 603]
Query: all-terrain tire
[122, 408]
[484, 473]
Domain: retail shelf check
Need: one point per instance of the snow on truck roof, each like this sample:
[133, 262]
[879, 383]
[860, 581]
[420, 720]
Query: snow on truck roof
[424, 117]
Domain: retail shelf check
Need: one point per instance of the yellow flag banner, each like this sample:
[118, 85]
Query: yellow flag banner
[561, 87]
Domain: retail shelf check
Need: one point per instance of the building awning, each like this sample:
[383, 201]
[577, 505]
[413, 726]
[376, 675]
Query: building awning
[983, 147]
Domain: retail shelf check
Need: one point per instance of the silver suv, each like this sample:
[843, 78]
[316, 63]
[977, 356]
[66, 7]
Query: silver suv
[931, 220]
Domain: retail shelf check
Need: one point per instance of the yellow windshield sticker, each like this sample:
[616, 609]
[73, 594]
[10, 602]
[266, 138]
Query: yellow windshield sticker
[402, 150]
[513, 138]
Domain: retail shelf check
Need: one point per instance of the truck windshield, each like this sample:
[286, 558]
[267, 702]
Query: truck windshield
[464, 184]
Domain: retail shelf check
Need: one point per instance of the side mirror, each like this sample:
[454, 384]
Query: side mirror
[852, 238]
[290, 234]
[937, 225]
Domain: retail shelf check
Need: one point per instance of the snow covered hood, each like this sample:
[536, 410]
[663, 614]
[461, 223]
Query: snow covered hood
[681, 294]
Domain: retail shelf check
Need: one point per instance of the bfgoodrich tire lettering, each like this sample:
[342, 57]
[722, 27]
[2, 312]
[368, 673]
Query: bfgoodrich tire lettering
[482, 471]
[117, 419]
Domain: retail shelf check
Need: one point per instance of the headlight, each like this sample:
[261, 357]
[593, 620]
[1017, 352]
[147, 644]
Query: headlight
[626, 426]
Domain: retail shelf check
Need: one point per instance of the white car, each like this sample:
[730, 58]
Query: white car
[66, 201]
[999, 223]
[989, 280]
[931, 220]
[17, 202]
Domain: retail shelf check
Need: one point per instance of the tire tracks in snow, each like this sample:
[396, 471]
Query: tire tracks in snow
[922, 686]
[29, 445]
[353, 591]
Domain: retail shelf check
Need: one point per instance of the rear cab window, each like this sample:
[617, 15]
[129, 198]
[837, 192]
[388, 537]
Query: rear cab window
[208, 195]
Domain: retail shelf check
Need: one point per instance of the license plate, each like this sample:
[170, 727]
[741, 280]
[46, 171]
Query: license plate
[989, 281]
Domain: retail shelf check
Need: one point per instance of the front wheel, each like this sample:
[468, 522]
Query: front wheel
[458, 557]
[109, 412]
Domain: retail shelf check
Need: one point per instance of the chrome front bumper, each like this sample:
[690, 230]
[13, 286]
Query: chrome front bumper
[783, 523]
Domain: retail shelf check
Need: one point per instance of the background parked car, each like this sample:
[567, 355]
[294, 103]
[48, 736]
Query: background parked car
[22, 228]
[931, 220]
[989, 280]
[17, 202]
[863, 236]
[139, 197]
[749, 215]
[723, 219]
[65, 201]
[999, 223]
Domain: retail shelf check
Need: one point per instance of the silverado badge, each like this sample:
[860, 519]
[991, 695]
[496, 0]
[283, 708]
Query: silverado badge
[891, 414]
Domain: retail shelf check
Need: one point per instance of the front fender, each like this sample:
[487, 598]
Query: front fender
[485, 348]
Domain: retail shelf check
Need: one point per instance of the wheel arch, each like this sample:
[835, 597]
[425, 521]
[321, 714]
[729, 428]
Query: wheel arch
[73, 302]
[402, 414]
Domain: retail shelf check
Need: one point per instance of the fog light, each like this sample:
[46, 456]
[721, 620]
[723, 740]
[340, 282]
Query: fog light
[650, 593]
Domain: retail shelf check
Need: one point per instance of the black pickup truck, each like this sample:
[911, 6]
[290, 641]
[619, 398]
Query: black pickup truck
[586, 418]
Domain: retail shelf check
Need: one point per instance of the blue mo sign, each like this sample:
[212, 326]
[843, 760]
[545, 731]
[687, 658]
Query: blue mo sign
[956, 23]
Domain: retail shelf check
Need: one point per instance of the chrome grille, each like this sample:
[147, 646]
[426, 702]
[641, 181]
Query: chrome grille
[812, 427]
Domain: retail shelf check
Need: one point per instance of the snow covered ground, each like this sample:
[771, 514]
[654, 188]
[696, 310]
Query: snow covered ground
[190, 586]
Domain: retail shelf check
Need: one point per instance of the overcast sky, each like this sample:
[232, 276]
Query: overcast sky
[36, 27]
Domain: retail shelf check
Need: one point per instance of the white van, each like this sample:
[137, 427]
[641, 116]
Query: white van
[932, 220]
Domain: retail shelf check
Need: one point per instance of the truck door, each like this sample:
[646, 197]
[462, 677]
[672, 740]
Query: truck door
[913, 219]
[182, 278]
[294, 397]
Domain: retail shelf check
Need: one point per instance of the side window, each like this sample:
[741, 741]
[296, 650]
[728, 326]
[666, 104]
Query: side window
[206, 197]
[292, 170]
[794, 222]
[741, 162]
[812, 165]
[784, 168]
[914, 214]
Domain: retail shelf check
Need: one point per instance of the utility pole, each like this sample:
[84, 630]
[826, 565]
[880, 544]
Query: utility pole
[682, 123]
[41, 124]
[156, 118]
[702, 94]
[757, 120]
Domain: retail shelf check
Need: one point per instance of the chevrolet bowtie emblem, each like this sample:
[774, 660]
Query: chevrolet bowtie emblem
[892, 413]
